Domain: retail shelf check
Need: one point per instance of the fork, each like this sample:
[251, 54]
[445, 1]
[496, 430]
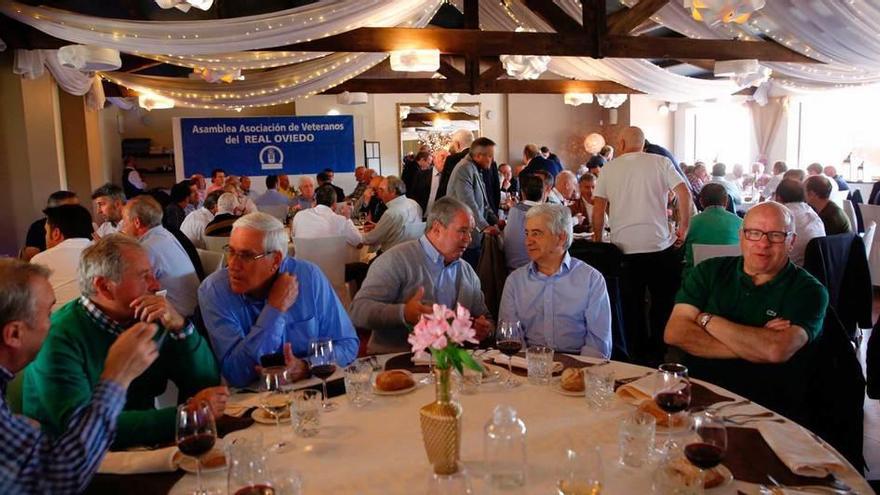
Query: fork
[753, 420]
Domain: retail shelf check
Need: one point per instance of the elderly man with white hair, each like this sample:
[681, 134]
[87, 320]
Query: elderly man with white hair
[561, 302]
[565, 190]
[306, 197]
[224, 217]
[265, 307]
[193, 226]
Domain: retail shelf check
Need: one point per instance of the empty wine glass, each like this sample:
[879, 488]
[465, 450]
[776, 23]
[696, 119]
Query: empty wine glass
[323, 365]
[196, 433]
[509, 340]
[276, 400]
[708, 443]
[672, 394]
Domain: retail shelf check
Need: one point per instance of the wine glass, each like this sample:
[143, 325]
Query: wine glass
[581, 472]
[509, 340]
[672, 394]
[323, 365]
[708, 444]
[276, 400]
[196, 434]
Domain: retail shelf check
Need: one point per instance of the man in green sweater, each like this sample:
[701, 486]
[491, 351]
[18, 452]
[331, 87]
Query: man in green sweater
[715, 225]
[118, 290]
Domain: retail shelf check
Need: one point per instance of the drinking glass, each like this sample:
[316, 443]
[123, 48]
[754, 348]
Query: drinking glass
[539, 361]
[509, 340]
[672, 394]
[636, 438]
[305, 411]
[275, 401]
[358, 377]
[195, 433]
[598, 386]
[249, 475]
[708, 442]
[323, 365]
[581, 472]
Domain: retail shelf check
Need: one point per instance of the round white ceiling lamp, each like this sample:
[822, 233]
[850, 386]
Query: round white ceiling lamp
[575, 99]
[185, 5]
[89, 58]
[525, 67]
[442, 101]
[713, 12]
[593, 143]
[610, 100]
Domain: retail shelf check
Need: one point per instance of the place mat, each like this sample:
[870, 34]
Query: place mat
[566, 360]
[226, 424]
[751, 459]
[701, 396]
[404, 362]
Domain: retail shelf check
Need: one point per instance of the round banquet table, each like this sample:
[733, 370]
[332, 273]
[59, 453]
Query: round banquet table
[378, 449]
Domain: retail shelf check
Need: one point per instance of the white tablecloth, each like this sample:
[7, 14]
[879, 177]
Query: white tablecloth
[378, 449]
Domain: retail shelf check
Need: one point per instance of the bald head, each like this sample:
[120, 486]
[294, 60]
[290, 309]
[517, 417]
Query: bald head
[771, 210]
[632, 139]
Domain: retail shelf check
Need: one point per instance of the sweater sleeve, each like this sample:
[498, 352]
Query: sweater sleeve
[378, 304]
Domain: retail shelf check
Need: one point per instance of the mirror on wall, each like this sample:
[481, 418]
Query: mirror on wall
[419, 124]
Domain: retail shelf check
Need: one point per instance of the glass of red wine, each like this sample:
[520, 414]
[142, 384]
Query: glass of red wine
[672, 394]
[196, 434]
[323, 365]
[708, 444]
[509, 340]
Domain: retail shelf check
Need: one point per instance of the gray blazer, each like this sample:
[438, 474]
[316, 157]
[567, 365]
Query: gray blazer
[466, 185]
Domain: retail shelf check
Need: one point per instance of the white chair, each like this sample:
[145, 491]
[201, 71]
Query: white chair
[702, 252]
[277, 211]
[839, 197]
[868, 238]
[211, 260]
[850, 214]
[871, 214]
[215, 243]
[326, 252]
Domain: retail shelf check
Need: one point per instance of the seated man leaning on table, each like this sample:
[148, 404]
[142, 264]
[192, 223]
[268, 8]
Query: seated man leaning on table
[741, 319]
[31, 461]
[560, 301]
[265, 303]
[118, 291]
[405, 281]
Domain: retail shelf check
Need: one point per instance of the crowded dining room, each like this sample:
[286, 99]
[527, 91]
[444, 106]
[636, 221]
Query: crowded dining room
[444, 247]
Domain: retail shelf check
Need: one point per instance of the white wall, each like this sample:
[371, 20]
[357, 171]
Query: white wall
[658, 127]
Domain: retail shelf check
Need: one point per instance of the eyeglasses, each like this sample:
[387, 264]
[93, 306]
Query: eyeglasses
[774, 236]
[245, 257]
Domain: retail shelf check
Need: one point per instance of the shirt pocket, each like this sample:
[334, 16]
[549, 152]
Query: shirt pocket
[302, 330]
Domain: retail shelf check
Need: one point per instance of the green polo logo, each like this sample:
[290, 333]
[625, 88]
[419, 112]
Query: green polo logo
[770, 312]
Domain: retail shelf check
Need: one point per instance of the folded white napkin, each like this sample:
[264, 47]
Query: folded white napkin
[522, 363]
[139, 461]
[239, 404]
[799, 451]
[637, 391]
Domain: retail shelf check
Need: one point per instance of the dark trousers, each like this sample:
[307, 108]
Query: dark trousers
[655, 277]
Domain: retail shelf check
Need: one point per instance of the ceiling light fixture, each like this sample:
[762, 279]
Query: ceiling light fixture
[415, 60]
[185, 5]
[575, 99]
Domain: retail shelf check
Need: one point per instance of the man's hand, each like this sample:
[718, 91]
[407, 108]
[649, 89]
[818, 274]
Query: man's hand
[297, 368]
[482, 327]
[284, 292]
[414, 309]
[491, 230]
[777, 324]
[680, 236]
[368, 226]
[131, 354]
[215, 397]
[151, 308]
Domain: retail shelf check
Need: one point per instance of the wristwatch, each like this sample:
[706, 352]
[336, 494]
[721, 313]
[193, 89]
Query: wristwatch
[704, 319]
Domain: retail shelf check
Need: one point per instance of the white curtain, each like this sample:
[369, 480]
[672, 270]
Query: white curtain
[31, 64]
[237, 60]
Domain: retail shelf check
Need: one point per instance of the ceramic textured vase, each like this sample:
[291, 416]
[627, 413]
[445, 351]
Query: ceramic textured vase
[441, 426]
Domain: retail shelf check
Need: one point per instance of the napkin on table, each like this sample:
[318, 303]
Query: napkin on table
[139, 461]
[239, 404]
[799, 451]
[637, 391]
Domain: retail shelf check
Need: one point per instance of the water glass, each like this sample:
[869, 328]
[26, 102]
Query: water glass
[539, 361]
[305, 411]
[598, 386]
[358, 383]
[637, 438]
[471, 381]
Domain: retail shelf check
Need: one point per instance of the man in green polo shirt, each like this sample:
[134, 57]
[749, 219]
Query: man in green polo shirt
[742, 319]
[715, 225]
[118, 290]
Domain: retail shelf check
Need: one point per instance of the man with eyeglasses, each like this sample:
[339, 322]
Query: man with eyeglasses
[741, 319]
[267, 305]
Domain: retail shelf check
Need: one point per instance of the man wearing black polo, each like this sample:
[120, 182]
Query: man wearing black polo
[741, 319]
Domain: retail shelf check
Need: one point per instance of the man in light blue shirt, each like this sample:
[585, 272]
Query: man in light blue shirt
[265, 303]
[271, 197]
[561, 302]
[532, 189]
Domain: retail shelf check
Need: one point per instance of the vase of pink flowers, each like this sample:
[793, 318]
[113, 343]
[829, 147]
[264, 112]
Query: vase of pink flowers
[443, 333]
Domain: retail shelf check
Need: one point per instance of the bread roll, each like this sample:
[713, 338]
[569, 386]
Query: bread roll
[214, 459]
[390, 381]
[651, 407]
[680, 467]
[572, 380]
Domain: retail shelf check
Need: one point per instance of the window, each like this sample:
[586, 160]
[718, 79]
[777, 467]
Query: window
[718, 132]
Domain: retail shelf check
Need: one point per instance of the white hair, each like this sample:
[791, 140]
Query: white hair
[558, 219]
[226, 203]
[104, 258]
[566, 173]
[274, 236]
[463, 137]
[304, 179]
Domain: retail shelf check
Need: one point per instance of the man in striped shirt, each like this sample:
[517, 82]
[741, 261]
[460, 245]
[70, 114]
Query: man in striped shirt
[31, 461]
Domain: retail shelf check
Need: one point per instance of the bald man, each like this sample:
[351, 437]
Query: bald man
[741, 319]
[635, 188]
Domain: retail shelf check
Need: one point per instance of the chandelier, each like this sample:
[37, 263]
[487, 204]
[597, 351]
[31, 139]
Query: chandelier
[575, 99]
[185, 5]
[610, 100]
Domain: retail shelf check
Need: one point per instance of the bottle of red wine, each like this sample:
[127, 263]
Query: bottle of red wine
[196, 445]
[672, 402]
[703, 455]
[323, 371]
[509, 347]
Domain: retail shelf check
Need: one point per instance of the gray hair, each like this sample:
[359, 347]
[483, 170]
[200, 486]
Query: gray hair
[104, 259]
[463, 137]
[558, 219]
[396, 185]
[304, 179]
[226, 203]
[274, 236]
[146, 209]
[566, 174]
[17, 301]
[443, 210]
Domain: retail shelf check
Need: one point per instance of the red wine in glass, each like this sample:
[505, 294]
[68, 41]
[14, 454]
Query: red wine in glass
[672, 402]
[509, 347]
[256, 490]
[323, 371]
[704, 455]
[196, 445]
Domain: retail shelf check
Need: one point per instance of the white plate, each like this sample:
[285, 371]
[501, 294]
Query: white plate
[557, 387]
[396, 392]
[261, 416]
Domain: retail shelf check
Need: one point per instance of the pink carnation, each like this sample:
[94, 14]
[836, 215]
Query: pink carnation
[440, 328]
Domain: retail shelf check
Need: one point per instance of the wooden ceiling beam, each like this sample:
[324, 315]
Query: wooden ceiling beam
[595, 19]
[494, 71]
[625, 20]
[448, 70]
[560, 21]
[687, 48]
[503, 86]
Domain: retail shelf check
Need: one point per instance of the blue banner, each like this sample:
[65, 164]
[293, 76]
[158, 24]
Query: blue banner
[268, 145]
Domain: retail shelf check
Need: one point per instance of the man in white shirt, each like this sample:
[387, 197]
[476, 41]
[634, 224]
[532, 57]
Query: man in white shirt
[396, 224]
[109, 200]
[322, 220]
[779, 169]
[806, 221]
[193, 226]
[68, 233]
[566, 188]
[634, 191]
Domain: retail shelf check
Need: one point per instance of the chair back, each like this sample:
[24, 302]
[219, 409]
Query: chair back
[839, 197]
[326, 252]
[413, 231]
[211, 260]
[868, 238]
[277, 211]
[215, 243]
[871, 213]
[702, 252]
[850, 211]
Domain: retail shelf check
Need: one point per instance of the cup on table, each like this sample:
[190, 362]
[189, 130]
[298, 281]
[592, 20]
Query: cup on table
[636, 440]
[358, 376]
[305, 411]
[598, 386]
[539, 361]
[471, 381]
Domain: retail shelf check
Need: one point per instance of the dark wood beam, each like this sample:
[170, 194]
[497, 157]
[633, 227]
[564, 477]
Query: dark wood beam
[686, 48]
[448, 70]
[560, 21]
[503, 86]
[471, 60]
[594, 25]
[494, 71]
[625, 20]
